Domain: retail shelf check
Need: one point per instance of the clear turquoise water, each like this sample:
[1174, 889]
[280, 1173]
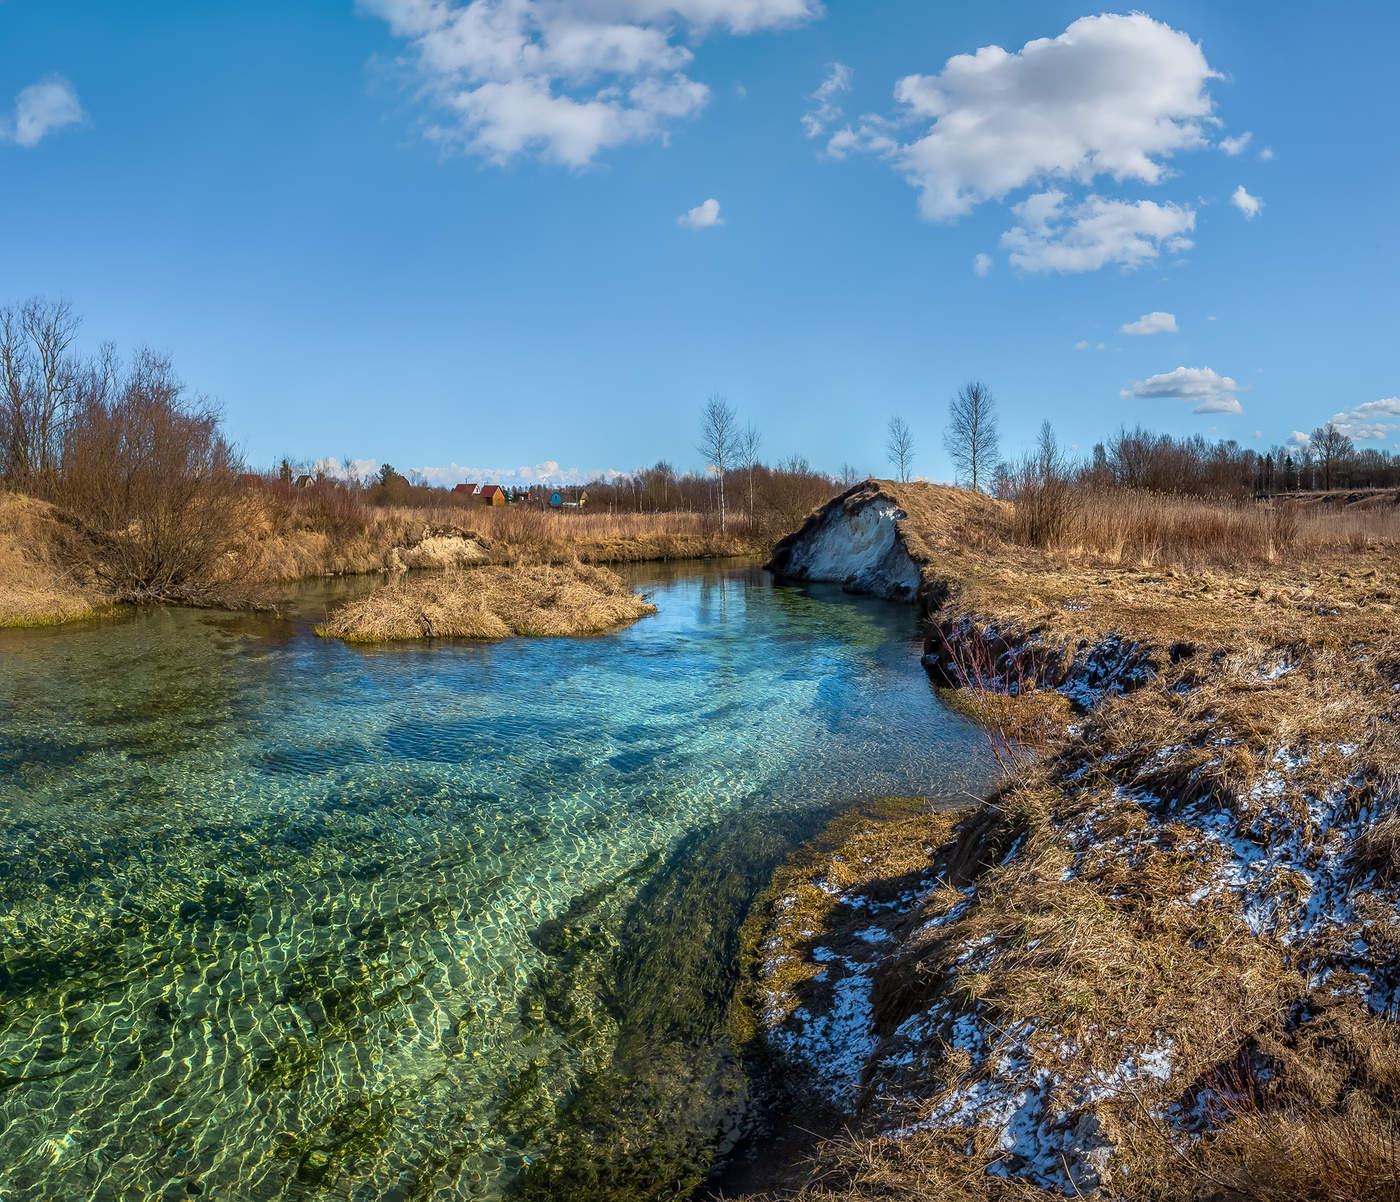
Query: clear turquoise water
[281, 918]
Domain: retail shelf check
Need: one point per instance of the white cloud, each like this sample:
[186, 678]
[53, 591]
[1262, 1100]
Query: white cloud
[566, 79]
[828, 110]
[1267, 154]
[1151, 323]
[1234, 146]
[1367, 422]
[1112, 95]
[40, 109]
[702, 216]
[1298, 441]
[353, 469]
[1213, 393]
[1055, 236]
[1082, 345]
[982, 265]
[548, 472]
[1247, 204]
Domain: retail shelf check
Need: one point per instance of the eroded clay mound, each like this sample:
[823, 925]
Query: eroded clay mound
[855, 541]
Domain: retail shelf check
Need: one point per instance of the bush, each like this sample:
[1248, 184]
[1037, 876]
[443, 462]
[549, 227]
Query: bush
[152, 477]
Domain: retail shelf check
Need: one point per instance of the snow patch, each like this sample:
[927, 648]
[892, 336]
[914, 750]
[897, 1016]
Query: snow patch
[857, 547]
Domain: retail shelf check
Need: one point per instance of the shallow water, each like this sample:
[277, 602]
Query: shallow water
[281, 918]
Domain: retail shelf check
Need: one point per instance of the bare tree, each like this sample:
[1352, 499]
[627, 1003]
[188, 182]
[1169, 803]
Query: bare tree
[1332, 450]
[719, 441]
[971, 437]
[749, 442]
[850, 474]
[899, 448]
[39, 388]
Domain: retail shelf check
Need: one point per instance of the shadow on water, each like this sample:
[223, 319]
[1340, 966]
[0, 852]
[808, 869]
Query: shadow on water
[287, 919]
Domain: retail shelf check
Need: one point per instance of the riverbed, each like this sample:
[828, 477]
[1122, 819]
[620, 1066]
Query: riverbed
[282, 918]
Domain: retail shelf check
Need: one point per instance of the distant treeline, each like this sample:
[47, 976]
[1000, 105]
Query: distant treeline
[1195, 466]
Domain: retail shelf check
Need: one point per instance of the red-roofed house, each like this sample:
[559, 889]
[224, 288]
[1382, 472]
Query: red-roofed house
[465, 490]
[492, 494]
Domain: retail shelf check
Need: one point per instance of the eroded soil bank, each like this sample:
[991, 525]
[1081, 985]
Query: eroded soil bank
[1161, 959]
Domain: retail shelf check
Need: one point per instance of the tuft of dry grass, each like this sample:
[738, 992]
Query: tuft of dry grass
[542, 601]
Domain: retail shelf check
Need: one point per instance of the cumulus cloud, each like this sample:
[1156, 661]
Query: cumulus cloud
[1234, 146]
[1213, 393]
[982, 264]
[1371, 421]
[566, 80]
[548, 472]
[40, 109]
[828, 109]
[1151, 323]
[702, 216]
[1112, 95]
[1267, 154]
[1082, 345]
[1055, 235]
[1298, 441]
[1247, 204]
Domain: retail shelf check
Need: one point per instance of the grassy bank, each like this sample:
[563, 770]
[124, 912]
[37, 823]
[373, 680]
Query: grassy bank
[294, 536]
[52, 567]
[543, 601]
[1160, 961]
[43, 580]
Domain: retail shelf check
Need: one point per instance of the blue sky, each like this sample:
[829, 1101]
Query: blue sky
[457, 236]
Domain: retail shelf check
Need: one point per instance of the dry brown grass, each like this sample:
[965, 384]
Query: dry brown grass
[1123, 528]
[1093, 910]
[47, 565]
[39, 584]
[543, 601]
[281, 544]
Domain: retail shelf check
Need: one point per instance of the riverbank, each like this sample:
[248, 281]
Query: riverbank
[51, 568]
[1160, 960]
[540, 601]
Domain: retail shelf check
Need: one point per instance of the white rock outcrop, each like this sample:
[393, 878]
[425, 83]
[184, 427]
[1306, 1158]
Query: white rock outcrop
[854, 542]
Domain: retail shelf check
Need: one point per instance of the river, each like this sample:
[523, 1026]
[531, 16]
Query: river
[282, 918]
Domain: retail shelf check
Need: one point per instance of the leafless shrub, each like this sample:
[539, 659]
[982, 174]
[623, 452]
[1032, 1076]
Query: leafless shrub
[151, 475]
[1042, 493]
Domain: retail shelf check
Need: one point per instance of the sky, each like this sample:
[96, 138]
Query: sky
[519, 239]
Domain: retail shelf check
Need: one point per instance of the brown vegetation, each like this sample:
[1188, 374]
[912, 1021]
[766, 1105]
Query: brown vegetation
[40, 581]
[1169, 943]
[541, 601]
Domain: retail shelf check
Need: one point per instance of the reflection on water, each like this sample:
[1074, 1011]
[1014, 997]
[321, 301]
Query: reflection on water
[281, 918]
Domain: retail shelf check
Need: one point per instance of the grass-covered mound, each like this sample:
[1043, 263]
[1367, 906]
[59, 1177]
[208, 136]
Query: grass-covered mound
[541, 601]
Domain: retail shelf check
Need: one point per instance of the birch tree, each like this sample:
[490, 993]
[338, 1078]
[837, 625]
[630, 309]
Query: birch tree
[899, 448]
[971, 437]
[719, 441]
